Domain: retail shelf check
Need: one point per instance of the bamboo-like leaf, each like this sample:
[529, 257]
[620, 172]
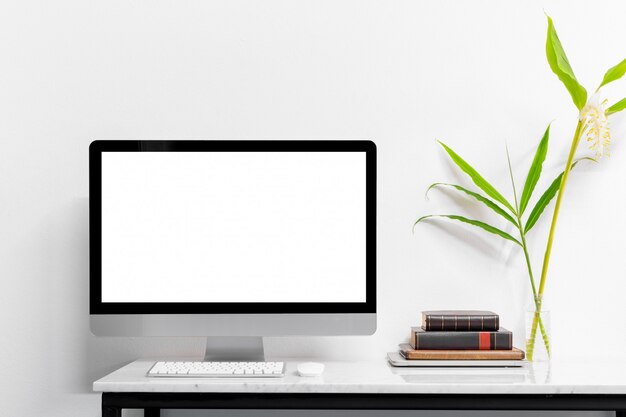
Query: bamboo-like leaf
[493, 206]
[560, 66]
[535, 171]
[545, 199]
[619, 106]
[614, 73]
[477, 178]
[508, 160]
[476, 223]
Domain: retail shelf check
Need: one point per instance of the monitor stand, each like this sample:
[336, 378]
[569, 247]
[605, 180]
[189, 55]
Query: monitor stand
[237, 348]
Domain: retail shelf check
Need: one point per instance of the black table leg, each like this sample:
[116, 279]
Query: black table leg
[620, 413]
[152, 412]
[108, 411]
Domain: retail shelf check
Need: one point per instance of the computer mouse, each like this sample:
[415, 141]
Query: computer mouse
[310, 369]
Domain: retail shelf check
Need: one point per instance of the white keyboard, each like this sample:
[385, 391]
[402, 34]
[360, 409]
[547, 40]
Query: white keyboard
[218, 369]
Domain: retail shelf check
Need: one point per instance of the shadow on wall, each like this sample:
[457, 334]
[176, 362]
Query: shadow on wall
[78, 354]
[79, 357]
[64, 232]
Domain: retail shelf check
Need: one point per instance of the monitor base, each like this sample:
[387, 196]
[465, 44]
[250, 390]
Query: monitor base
[234, 348]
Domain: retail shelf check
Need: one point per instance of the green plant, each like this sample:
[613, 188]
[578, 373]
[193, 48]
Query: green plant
[592, 124]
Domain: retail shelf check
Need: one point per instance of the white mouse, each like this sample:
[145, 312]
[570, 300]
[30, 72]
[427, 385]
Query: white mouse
[310, 369]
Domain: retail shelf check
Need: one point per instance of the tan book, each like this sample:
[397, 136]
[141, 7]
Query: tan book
[412, 354]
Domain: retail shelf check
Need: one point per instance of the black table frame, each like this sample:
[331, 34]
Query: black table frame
[152, 403]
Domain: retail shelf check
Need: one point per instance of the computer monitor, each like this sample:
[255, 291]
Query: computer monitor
[232, 239]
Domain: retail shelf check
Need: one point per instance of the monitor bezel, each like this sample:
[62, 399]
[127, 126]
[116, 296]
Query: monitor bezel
[97, 147]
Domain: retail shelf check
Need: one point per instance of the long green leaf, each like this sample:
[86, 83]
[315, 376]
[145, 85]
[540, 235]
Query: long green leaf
[477, 178]
[545, 199]
[560, 66]
[508, 161]
[535, 171]
[614, 73]
[476, 223]
[493, 206]
[619, 106]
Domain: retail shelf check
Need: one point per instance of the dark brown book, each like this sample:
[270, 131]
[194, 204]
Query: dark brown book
[460, 320]
[492, 340]
[435, 355]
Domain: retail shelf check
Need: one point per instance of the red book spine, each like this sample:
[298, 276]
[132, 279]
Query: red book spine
[484, 341]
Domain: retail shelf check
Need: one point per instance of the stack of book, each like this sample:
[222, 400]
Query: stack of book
[460, 335]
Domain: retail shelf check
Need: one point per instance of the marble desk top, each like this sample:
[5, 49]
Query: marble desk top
[377, 376]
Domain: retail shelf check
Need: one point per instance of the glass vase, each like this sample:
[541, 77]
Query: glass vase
[538, 335]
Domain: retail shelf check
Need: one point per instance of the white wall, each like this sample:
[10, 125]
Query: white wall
[403, 73]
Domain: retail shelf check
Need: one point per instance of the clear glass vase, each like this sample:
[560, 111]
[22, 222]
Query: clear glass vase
[538, 334]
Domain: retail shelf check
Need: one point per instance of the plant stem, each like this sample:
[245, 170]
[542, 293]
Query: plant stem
[520, 226]
[555, 217]
[557, 207]
[531, 342]
[530, 270]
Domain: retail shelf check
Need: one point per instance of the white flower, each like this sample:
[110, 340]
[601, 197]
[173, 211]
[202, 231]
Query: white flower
[596, 125]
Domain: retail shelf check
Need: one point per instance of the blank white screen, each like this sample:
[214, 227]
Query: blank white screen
[233, 226]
